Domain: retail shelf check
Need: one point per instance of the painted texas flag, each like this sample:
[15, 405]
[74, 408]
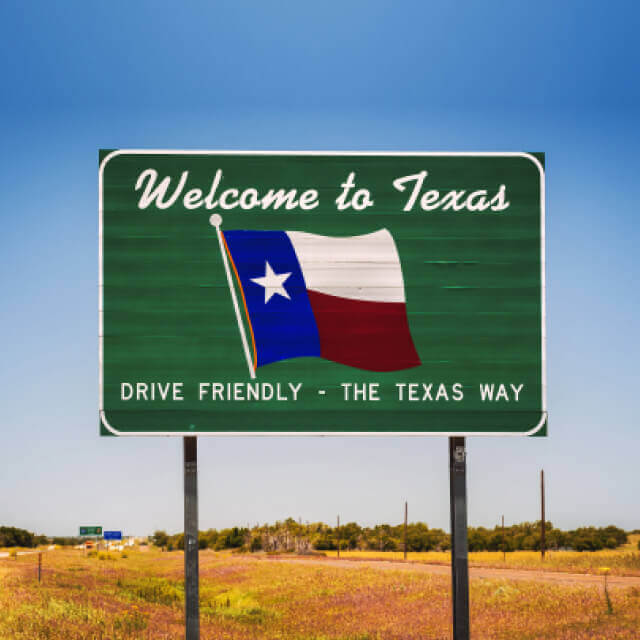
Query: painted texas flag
[341, 299]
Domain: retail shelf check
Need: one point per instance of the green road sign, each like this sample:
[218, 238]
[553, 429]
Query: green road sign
[321, 293]
[90, 531]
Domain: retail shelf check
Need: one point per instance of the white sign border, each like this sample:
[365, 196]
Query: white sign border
[480, 154]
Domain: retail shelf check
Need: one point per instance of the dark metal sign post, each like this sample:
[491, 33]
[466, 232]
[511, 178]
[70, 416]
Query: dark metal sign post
[459, 543]
[543, 523]
[191, 571]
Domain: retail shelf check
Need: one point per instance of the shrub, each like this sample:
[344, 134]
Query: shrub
[158, 590]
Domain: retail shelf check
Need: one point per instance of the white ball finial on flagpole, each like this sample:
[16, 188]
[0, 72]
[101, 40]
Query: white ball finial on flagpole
[215, 220]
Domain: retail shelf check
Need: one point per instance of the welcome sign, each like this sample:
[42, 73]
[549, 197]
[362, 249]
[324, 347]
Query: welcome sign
[321, 293]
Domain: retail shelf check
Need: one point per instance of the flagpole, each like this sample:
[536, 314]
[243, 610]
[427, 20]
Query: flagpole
[216, 221]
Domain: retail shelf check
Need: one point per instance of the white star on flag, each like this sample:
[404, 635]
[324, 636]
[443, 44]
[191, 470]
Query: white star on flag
[272, 283]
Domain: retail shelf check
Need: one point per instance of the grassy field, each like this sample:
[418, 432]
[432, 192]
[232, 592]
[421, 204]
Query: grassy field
[624, 561]
[244, 597]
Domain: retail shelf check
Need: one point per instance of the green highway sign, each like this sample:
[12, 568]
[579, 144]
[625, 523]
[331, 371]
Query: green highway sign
[248, 292]
[90, 531]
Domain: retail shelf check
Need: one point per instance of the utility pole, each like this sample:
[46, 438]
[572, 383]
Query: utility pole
[338, 532]
[543, 523]
[406, 510]
[504, 548]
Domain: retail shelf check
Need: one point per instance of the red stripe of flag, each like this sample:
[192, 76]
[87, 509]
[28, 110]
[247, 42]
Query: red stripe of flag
[368, 335]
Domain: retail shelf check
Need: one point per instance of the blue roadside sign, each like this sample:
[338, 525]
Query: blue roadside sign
[112, 535]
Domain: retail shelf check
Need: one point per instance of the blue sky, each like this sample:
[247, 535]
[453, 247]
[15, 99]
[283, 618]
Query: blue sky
[553, 77]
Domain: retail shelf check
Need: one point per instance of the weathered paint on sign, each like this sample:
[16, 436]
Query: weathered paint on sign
[321, 293]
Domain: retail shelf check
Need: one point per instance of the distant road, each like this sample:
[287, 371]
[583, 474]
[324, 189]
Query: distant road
[5, 554]
[475, 573]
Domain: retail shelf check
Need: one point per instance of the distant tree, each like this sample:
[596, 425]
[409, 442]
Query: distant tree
[15, 537]
[233, 538]
[349, 535]
[256, 544]
[160, 539]
[594, 539]
[291, 535]
[419, 537]
[614, 536]
[325, 543]
[380, 538]
[177, 541]
[494, 542]
[208, 539]
[478, 539]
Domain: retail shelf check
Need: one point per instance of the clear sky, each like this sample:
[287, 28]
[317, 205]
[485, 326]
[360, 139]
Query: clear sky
[545, 76]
